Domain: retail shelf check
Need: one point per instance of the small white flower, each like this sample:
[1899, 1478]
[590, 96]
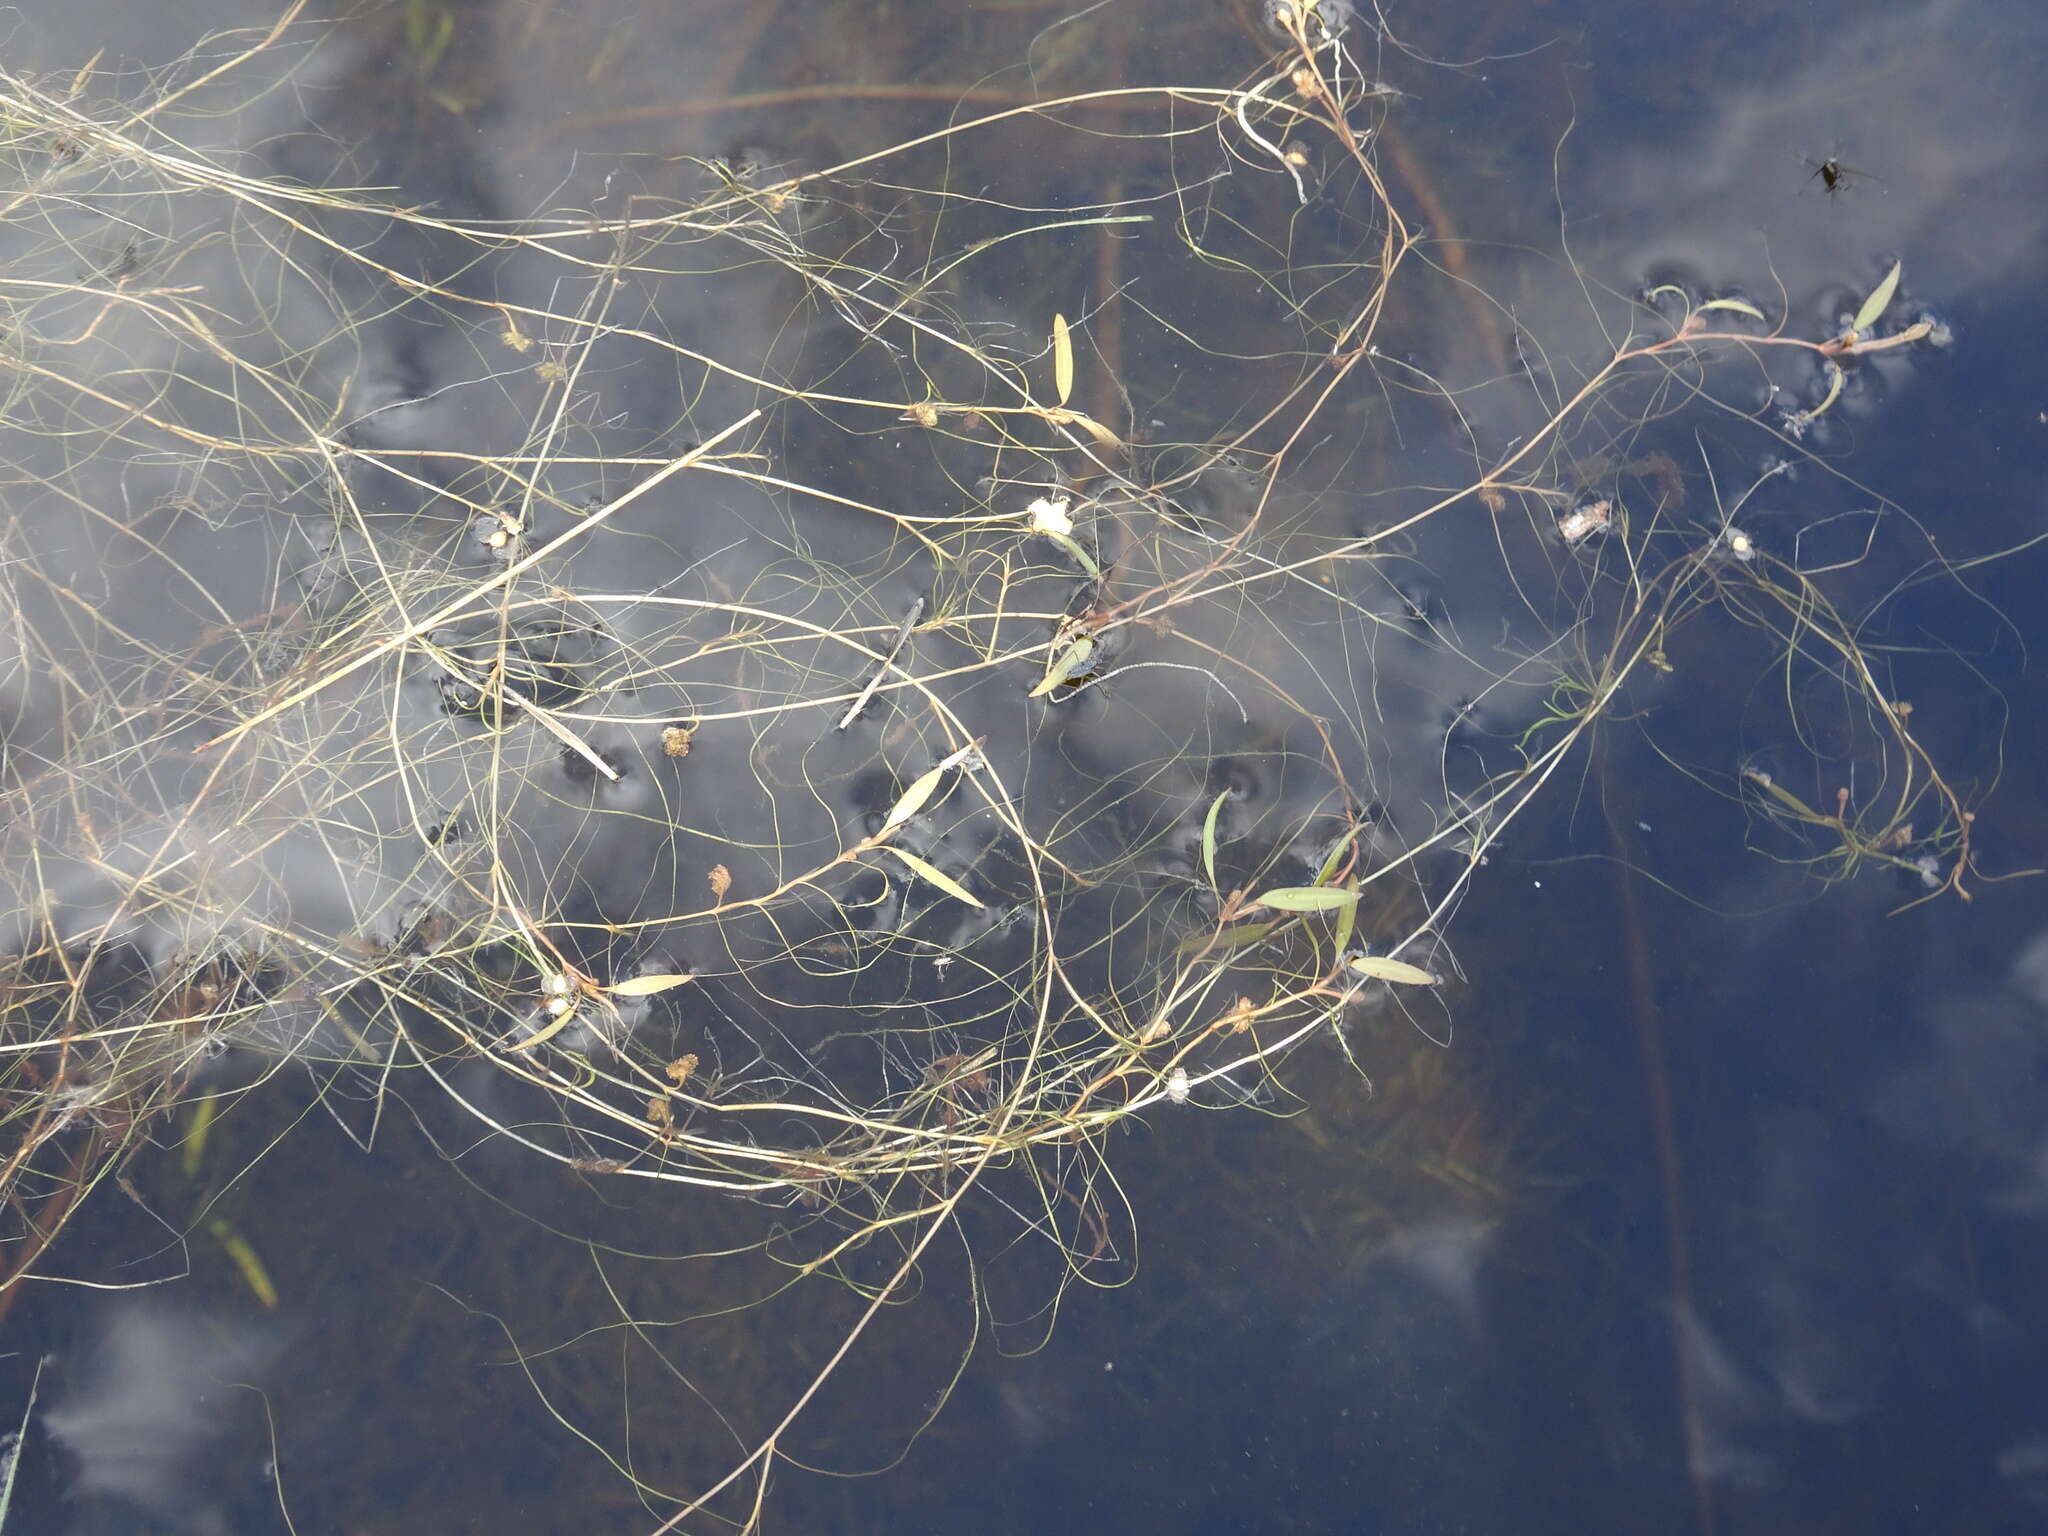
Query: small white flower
[1049, 515]
[1177, 1085]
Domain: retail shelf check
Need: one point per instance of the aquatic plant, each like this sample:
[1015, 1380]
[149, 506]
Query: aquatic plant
[760, 680]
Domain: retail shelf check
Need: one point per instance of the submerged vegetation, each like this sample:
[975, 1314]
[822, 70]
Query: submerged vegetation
[805, 695]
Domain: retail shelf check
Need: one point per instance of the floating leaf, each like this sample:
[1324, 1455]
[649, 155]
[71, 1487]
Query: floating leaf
[938, 877]
[1071, 661]
[1879, 301]
[1062, 359]
[1834, 377]
[914, 798]
[548, 1031]
[1099, 432]
[1307, 898]
[1095, 429]
[1209, 837]
[1379, 968]
[1739, 306]
[647, 986]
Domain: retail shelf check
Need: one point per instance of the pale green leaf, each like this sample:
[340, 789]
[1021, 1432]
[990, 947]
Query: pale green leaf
[1307, 898]
[1739, 306]
[242, 1253]
[936, 876]
[1336, 854]
[1081, 556]
[553, 1027]
[1234, 937]
[1347, 917]
[1071, 661]
[647, 986]
[1100, 433]
[1060, 416]
[1834, 377]
[10, 1459]
[1879, 301]
[913, 799]
[1209, 837]
[1379, 968]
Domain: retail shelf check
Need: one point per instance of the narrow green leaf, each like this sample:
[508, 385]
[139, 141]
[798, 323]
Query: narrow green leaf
[243, 1255]
[1099, 432]
[1209, 837]
[1739, 306]
[1307, 898]
[1234, 937]
[1834, 393]
[1062, 359]
[10, 1459]
[938, 877]
[647, 986]
[1071, 661]
[913, 799]
[1347, 917]
[1336, 854]
[1060, 416]
[1379, 968]
[1784, 797]
[1081, 556]
[194, 1151]
[548, 1031]
[1879, 301]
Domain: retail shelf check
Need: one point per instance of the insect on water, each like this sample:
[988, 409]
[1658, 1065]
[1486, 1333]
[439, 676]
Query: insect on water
[1835, 177]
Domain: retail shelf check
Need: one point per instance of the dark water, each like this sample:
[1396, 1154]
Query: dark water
[1712, 1198]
